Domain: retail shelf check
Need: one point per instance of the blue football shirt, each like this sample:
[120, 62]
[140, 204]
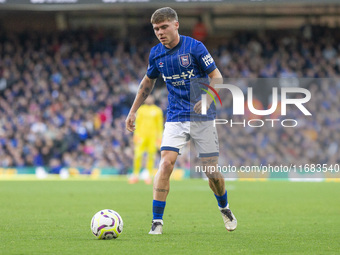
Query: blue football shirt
[186, 62]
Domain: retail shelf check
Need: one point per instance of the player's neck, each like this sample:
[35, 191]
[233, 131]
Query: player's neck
[174, 43]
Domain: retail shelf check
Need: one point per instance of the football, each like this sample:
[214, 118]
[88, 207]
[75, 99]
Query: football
[107, 224]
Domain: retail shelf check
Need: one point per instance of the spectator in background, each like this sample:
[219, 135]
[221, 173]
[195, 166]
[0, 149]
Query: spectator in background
[200, 31]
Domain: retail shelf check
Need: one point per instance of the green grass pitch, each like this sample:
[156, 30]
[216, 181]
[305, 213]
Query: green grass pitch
[274, 217]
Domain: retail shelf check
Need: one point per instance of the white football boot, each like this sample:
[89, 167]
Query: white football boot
[156, 227]
[229, 219]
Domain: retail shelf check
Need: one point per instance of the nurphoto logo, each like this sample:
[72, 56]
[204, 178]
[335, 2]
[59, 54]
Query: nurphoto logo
[239, 103]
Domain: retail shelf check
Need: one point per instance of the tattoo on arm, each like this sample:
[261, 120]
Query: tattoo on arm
[144, 91]
[161, 190]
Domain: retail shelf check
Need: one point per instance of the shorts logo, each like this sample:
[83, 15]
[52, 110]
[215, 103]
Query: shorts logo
[161, 64]
[184, 60]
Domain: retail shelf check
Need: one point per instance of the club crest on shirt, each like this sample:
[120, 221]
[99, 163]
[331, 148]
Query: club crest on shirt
[185, 60]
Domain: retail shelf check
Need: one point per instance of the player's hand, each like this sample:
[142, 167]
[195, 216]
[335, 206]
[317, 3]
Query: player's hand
[130, 122]
[198, 107]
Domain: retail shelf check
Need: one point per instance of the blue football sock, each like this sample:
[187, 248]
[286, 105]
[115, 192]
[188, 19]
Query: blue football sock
[222, 200]
[158, 209]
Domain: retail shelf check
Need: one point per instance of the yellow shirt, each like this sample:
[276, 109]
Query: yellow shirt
[149, 122]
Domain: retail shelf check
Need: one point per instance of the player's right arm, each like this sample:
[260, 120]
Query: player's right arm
[144, 90]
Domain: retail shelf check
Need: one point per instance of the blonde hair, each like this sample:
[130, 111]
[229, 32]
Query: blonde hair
[163, 14]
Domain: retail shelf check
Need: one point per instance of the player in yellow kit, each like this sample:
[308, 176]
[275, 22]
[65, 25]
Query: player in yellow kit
[147, 137]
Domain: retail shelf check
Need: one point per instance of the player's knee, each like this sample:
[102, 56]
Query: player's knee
[166, 165]
[165, 169]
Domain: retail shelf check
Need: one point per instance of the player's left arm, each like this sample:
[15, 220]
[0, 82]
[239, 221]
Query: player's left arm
[215, 78]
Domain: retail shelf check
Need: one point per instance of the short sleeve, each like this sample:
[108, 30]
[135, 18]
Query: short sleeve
[152, 71]
[206, 62]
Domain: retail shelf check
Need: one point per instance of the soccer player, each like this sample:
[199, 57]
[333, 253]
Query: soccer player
[147, 137]
[179, 59]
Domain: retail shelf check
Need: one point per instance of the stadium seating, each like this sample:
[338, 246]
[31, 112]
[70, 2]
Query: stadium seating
[64, 98]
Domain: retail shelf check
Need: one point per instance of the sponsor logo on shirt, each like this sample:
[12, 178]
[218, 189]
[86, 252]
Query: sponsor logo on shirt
[184, 75]
[178, 83]
[208, 60]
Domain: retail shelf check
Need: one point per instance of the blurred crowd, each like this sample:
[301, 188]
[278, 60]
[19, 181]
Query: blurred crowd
[64, 97]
